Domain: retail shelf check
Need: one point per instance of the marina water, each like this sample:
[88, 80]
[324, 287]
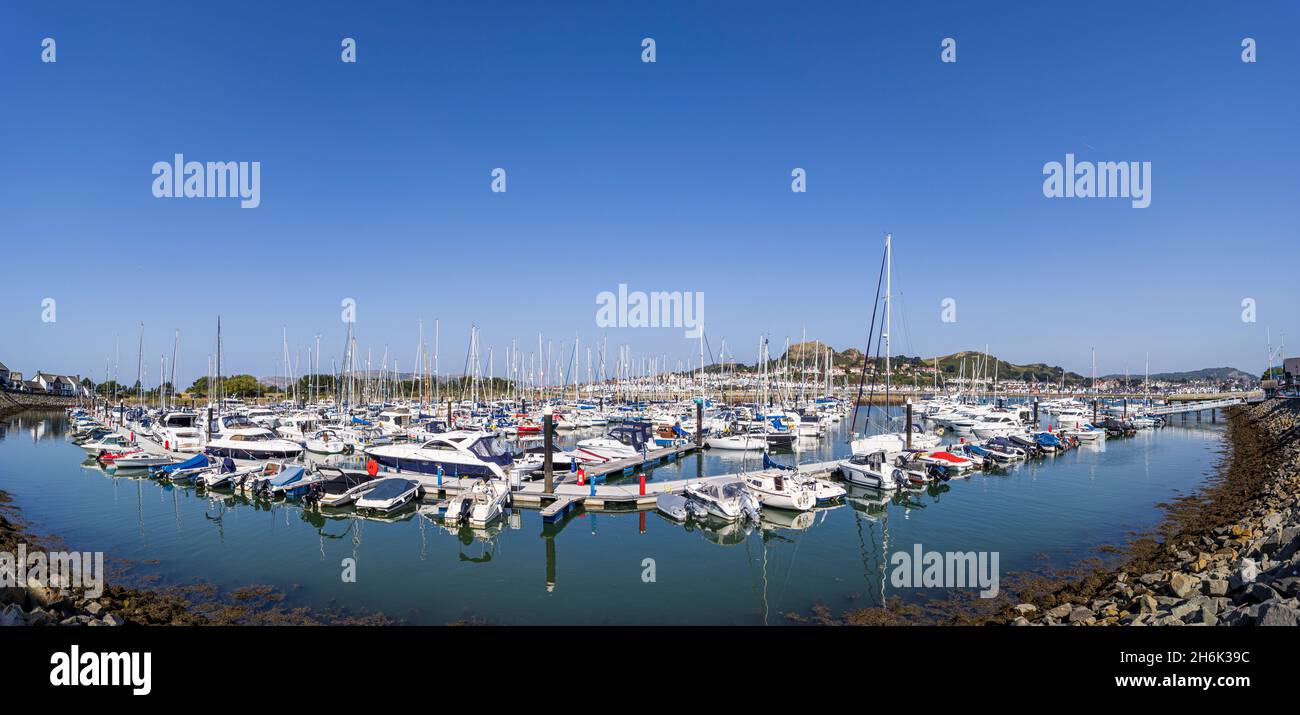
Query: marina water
[602, 567]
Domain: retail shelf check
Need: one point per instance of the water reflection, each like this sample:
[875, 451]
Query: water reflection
[787, 561]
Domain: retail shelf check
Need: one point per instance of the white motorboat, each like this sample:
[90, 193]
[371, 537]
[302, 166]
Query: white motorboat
[777, 488]
[178, 431]
[753, 438]
[461, 453]
[389, 495]
[340, 487]
[115, 442]
[872, 470]
[139, 459]
[327, 442]
[626, 440]
[729, 500]
[997, 424]
[480, 505]
[237, 437]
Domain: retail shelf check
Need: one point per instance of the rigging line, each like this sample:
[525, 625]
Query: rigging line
[867, 356]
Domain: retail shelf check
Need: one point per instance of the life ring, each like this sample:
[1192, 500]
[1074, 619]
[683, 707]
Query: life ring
[939, 430]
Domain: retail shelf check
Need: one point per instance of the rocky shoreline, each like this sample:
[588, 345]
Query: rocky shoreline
[1227, 555]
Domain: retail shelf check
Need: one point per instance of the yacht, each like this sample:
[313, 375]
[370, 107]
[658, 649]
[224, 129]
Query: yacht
[480, 505]
[178, 431]
[997, 424]
[626, 440]
[461, 453]
[755, 438]
[237, 437]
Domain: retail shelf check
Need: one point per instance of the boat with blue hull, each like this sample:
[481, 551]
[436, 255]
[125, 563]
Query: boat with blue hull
[461, 453]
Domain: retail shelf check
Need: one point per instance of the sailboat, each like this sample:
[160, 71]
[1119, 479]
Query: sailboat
[868, 469]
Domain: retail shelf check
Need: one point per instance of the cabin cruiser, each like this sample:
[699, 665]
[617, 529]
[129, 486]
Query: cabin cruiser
[297, 427]
[394, 422]
[872, 470]
[729, 500]
[892, 442]
[261, 416]
[178, 431]
[626, 440]
[776, 488]
[461, 453]
[326, 442]
[237, 437]
[997, 424]
[388, 495]
[276, 480]
[114, 442]
[755, 438]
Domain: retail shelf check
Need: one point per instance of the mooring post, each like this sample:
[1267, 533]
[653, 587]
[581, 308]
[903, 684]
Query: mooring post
[1035, 412]
[449, 426]
[1094, 410]
[909, 422]
[699, 422]
[549, 484]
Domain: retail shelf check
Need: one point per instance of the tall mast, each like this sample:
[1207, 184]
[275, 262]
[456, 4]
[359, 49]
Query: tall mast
[889, 302]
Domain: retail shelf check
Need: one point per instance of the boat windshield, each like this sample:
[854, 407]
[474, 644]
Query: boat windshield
[731, 490]
[489, 447]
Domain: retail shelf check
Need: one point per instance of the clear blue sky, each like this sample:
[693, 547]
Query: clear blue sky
[666, 176]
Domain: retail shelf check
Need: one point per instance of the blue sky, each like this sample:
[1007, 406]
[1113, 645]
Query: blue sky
[666, 176]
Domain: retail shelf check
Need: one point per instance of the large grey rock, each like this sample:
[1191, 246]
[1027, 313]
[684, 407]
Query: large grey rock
[1276, 613]
[1259, 593]
[1080, 614]
[1216, 587]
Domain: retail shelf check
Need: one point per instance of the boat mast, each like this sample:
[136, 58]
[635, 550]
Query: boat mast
[889, 289]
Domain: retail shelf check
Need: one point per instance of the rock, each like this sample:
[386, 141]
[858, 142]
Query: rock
[1145, 603]
[93, 608]
[1020, 621]
[1060, 611]
[70, 621]
[1259, 593]
[1080, 614]
[1026, 608]
[1184, 585]
[12, 615]
[1271, 521]
[1276, 613]
[113, 619]
[1150, 579]
[1208, 617]
[1216, 587]
[1182, 610]
[1246, 573]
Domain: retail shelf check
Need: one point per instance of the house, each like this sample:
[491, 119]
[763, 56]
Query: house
[6, 377]
[56, 384]
[32, 386]
[15, 380]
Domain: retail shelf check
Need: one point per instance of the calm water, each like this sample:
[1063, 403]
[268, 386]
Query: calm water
[589, 569]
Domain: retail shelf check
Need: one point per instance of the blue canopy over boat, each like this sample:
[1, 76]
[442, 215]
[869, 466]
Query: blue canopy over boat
[359, 421]
[198, 461]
